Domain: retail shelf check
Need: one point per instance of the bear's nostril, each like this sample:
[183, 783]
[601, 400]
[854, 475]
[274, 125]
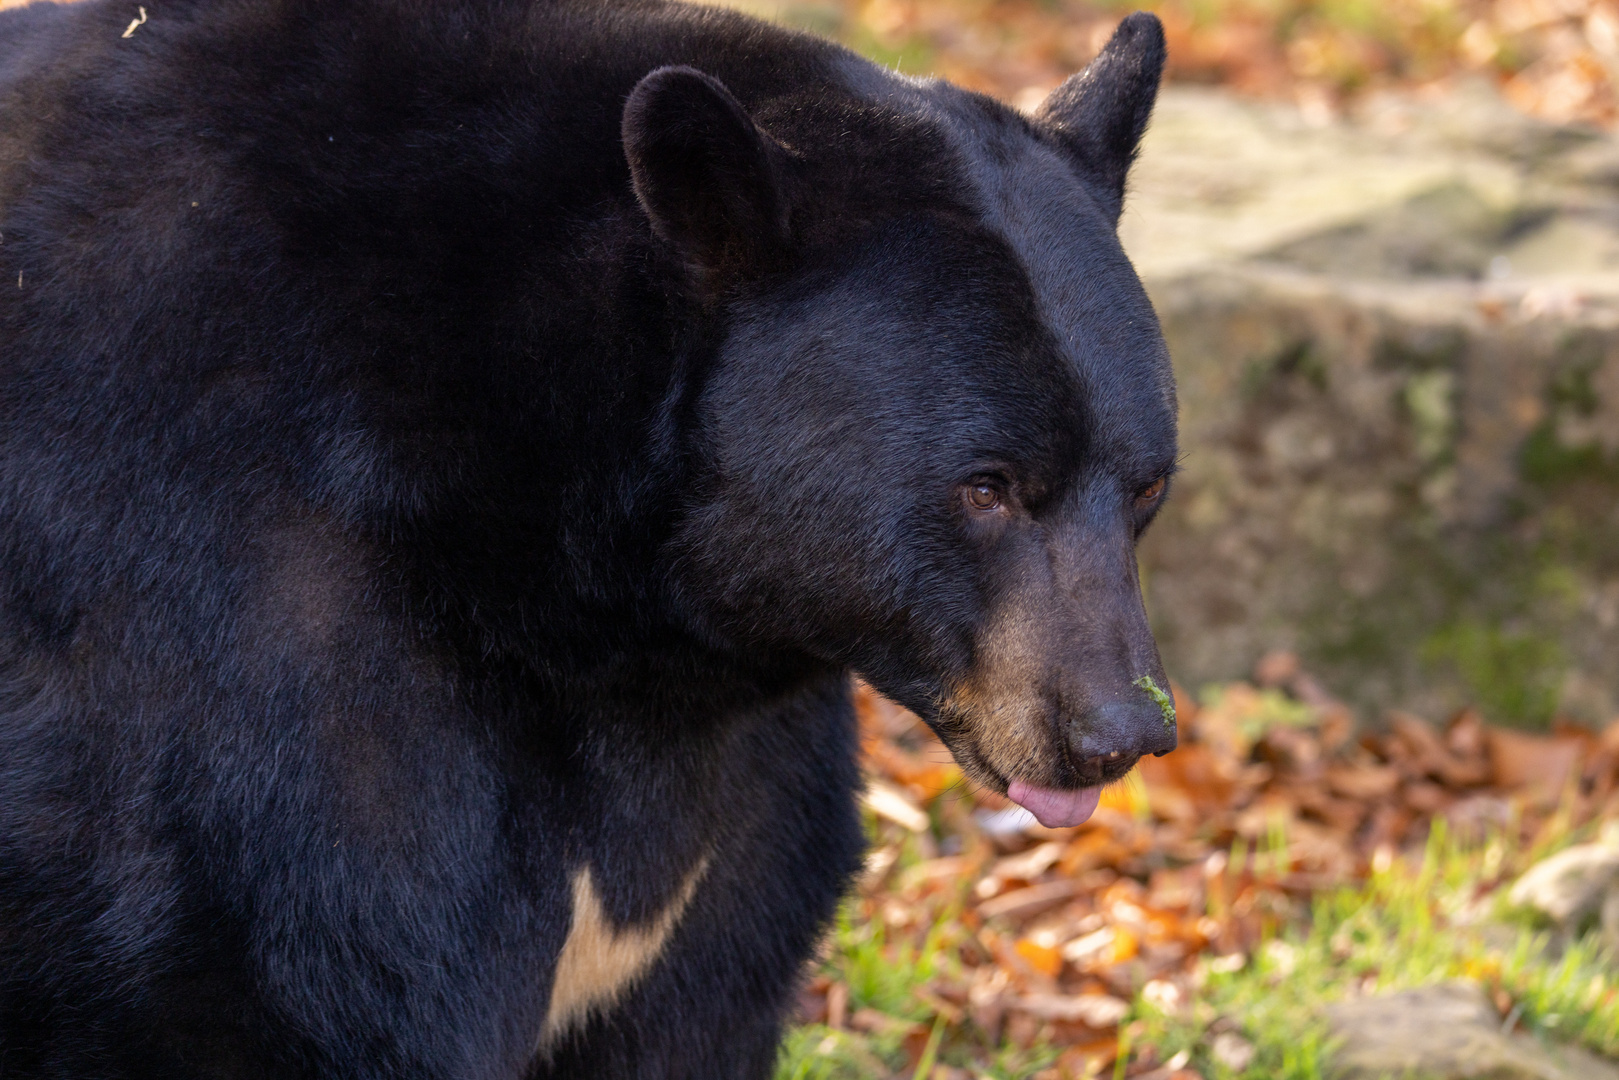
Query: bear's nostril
[1104, 768]
[1119, 731]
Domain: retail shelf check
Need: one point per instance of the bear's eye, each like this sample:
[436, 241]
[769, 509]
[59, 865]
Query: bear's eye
[983, 497]
[1147, 496]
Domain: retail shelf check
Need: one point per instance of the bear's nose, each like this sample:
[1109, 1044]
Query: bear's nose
[1118, 730]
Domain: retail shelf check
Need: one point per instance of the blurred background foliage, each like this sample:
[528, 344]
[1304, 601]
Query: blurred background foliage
[1555, 59]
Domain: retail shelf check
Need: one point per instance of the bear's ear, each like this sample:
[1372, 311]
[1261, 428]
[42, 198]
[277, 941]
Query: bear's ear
[711, 181]
[1100, 113]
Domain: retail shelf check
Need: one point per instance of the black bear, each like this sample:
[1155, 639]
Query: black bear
[452, 454]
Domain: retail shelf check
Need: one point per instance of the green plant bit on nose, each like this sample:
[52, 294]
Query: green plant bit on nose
[1166, 704]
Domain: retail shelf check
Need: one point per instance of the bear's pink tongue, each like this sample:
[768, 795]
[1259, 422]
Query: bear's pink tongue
[1055, 809]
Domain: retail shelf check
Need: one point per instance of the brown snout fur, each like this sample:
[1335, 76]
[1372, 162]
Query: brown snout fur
[1051, 696]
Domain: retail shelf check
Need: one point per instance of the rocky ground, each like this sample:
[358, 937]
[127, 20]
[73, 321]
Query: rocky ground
[1449, 1030]
[1397, 337]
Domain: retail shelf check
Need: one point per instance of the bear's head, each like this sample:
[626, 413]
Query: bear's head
[941, 413]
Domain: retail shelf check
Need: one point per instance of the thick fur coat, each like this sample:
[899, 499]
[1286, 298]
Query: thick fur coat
[452, 453]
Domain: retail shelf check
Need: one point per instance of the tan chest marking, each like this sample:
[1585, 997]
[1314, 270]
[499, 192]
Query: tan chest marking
[600, 961]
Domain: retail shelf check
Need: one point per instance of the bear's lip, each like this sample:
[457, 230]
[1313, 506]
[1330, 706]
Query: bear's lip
[1055, 808]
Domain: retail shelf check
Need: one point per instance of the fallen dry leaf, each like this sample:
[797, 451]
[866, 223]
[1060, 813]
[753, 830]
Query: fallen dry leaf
[1189, 867]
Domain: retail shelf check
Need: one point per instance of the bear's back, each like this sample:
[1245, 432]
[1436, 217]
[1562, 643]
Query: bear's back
[380, 261]
[332, 339]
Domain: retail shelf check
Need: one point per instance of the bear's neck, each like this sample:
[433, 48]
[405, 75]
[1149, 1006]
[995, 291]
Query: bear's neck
[542, 558]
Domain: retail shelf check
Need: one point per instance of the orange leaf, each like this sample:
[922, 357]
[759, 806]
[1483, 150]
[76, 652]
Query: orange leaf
[1088, 1058]
[1043, 958]
[1125, 946]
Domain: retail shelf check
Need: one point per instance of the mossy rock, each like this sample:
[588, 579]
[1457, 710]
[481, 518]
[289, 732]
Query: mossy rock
[1401, 452]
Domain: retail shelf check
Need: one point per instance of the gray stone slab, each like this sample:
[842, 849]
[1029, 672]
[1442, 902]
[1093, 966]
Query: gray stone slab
[1398, 346]
[1571, 884]
[1446, 1032]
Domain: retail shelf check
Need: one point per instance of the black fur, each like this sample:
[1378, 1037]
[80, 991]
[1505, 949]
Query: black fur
[1100, 114]
[422, 475]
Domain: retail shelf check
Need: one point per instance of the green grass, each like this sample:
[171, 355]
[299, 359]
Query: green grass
[1437, 918]
[1407, 926]
[816, 1052]
[885, 971]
